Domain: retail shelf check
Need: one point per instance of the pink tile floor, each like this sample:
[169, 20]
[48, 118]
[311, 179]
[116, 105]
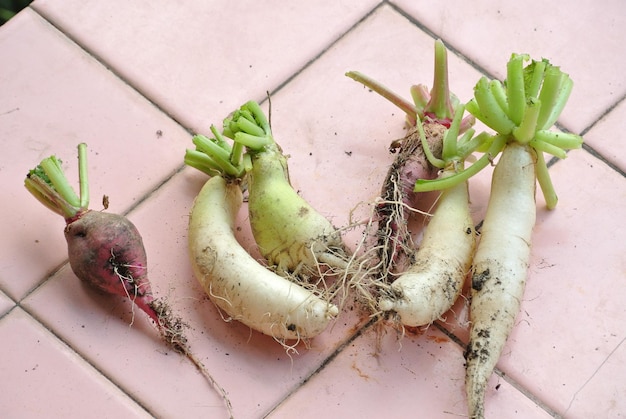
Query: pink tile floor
[135, 79]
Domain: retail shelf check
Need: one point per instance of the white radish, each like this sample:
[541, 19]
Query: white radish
[241, 287]
[293, 236]
[521, 111]
[435, 279]
[500, 267]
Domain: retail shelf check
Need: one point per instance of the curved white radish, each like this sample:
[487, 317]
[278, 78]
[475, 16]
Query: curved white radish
[237, 283]
[434, 281]
[293, 237]
[500, 267]
[290, 233]
[539, 92]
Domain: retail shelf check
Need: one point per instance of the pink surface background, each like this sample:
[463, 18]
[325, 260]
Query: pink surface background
[135, 79]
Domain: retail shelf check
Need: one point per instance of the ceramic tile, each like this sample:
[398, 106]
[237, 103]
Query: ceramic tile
[565, 356]
[233, 354]
[605, 137]
[382, 374]
[604, 384]
[487, 34]
[42, 377]
[53, 97]
[204, 59]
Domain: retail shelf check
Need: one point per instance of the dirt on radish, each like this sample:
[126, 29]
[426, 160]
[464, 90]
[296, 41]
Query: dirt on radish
[394, 248]
[394, 240]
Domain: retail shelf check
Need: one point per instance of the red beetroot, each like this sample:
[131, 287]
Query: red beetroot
[107, 252]
[397, 196]
[435, 110]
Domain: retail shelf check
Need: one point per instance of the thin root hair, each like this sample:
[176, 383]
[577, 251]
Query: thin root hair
[132, 298]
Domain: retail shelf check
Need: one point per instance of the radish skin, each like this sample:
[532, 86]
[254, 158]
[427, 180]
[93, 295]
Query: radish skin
[236, 283]
[290, 233]
[397, 196]
[435, 279]
[500, 267]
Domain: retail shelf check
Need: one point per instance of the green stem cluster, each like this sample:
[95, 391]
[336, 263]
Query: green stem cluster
[524, 108]
[49, 185]
[455, 150]
[249, 126]
[250, 132]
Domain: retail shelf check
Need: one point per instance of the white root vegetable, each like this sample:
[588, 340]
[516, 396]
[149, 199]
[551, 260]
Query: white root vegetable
[293, 237]
[522, 110]
[244, 289]
[434, 281]
[500, 267]
[290, 233]
[435, 278]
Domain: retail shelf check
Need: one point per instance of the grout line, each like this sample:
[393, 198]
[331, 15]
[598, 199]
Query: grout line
[87, 361]
[325, 49]
[603, 159]
[54, 271]
[100, 60]
[582, 387]
[603, 115]
[329, 359]
[153, 190]
[513, 383]
[528, 394]
[5, 314]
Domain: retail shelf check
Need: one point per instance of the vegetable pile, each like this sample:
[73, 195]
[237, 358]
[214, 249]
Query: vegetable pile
[298, 242]
[521, 111]
[292, 295]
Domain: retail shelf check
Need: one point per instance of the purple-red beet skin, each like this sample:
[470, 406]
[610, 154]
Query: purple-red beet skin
[107, 252]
